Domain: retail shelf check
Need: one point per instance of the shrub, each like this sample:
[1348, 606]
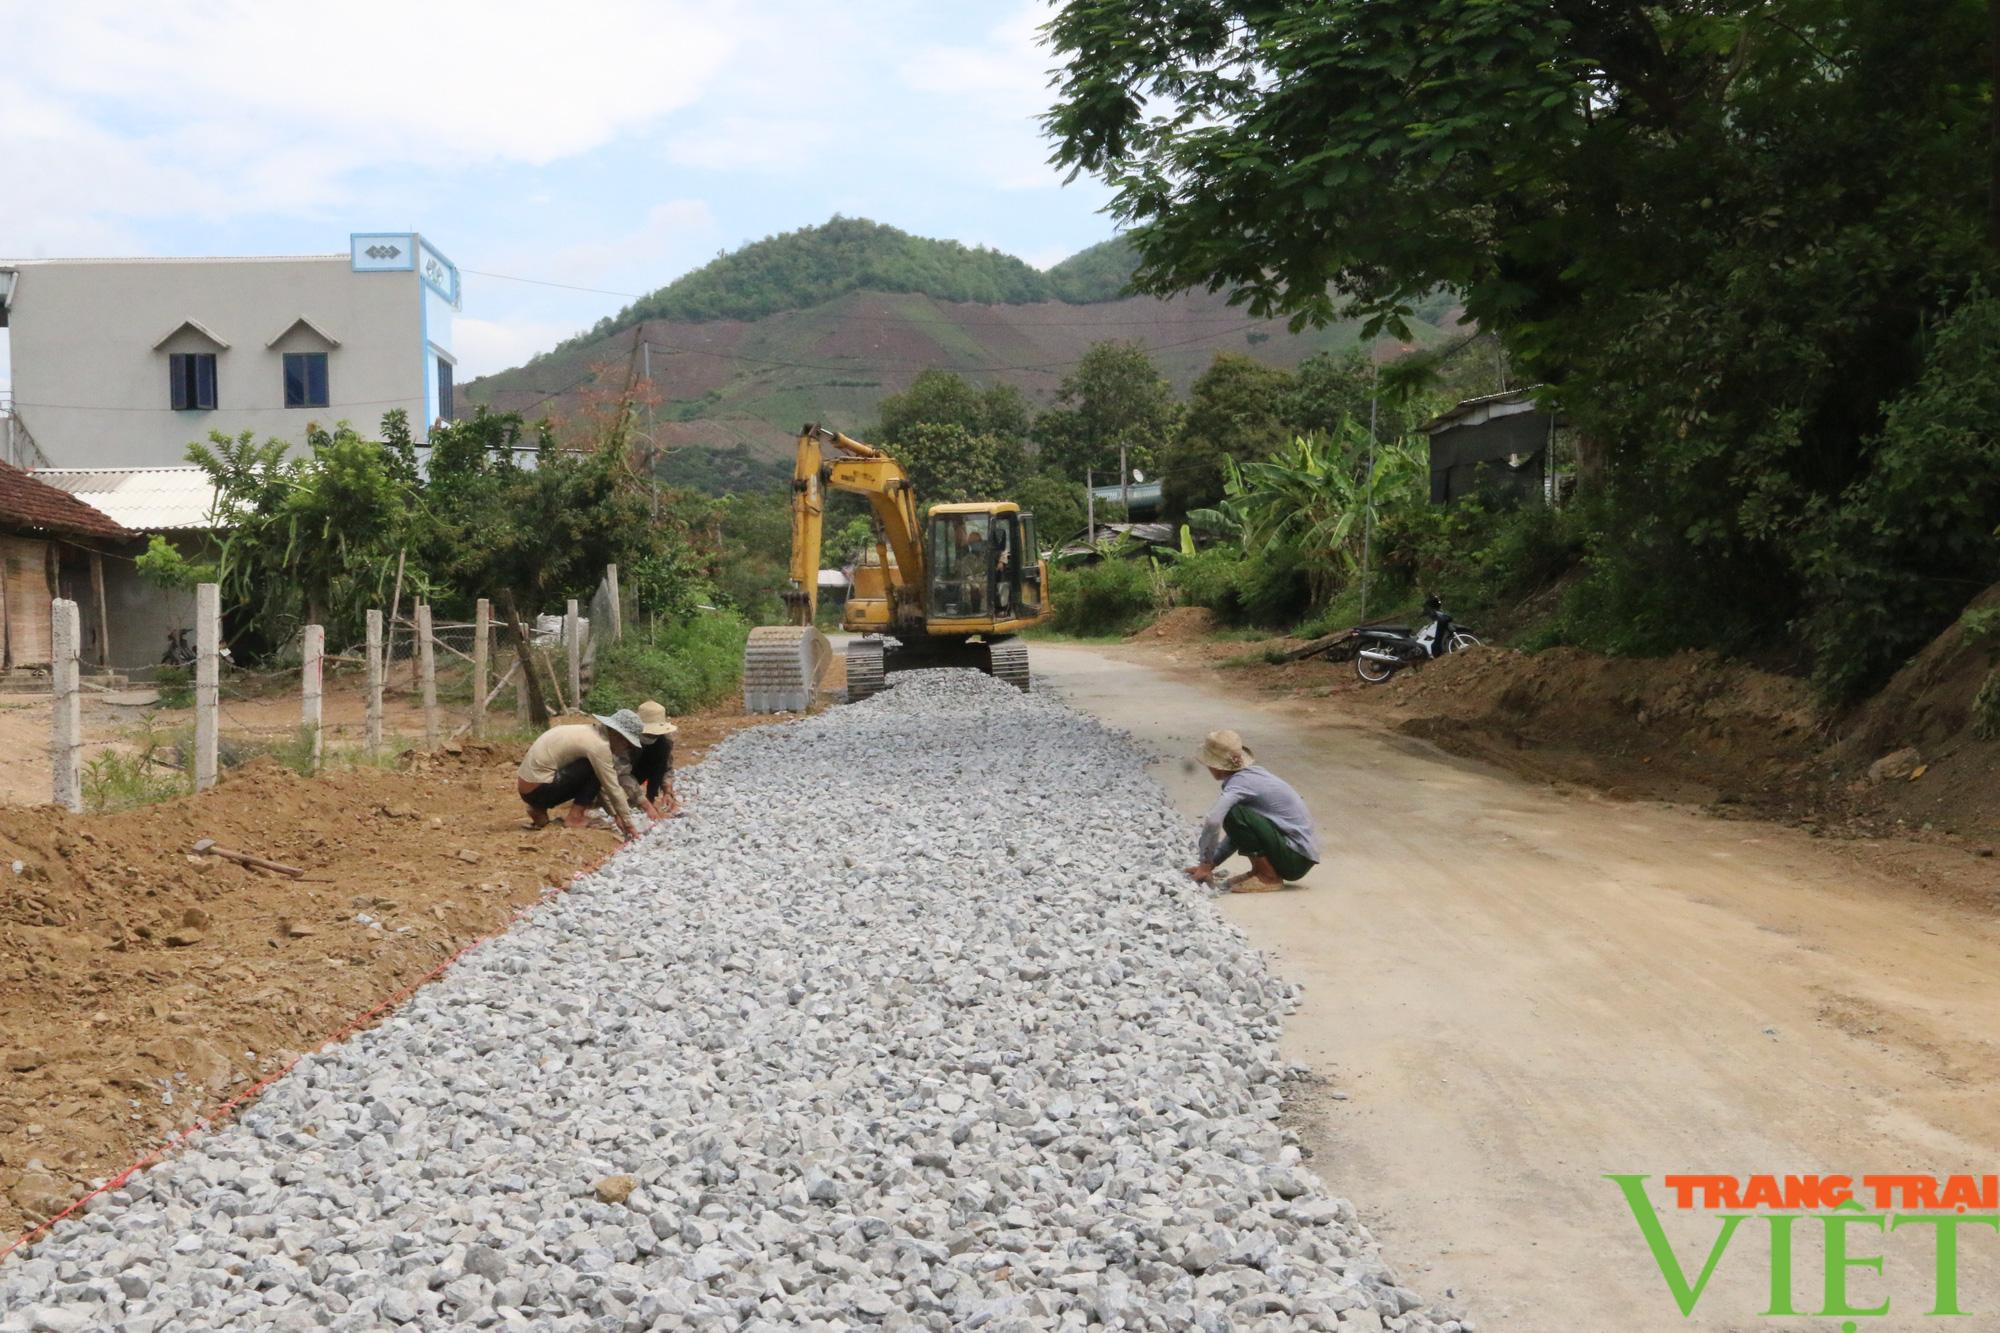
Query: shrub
[1276, 587]
[1212, 579]
[684, 664]
[1110, 597]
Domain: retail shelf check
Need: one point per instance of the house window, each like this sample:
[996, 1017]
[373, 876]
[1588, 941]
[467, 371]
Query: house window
[191, 381]
[444, 389]
[305, 379]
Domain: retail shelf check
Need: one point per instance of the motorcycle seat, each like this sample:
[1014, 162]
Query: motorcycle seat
[1384, 629]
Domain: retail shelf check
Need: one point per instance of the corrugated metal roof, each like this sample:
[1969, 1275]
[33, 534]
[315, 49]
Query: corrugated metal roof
[145, 499]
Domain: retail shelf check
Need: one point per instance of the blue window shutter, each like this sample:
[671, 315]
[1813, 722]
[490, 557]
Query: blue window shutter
[177, 381]
[204, 366]
[316, 380]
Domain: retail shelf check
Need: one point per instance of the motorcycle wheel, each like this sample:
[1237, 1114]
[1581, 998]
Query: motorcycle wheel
[1374, 673]
[1460, 642]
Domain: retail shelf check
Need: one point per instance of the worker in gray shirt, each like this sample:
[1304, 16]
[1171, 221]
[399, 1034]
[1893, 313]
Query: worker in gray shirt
[1258, 814]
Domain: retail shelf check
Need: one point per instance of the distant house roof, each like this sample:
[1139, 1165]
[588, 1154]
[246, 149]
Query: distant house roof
[144, 499]
[1477, 411]
[28, 505]
[832, 578]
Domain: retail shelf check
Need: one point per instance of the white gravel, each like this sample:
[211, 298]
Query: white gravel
[911, 1024]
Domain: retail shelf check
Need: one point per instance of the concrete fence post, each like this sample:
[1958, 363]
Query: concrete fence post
[573, 640]
[427, 674]
[482, 638]
[313, 680]
[207, 682]
[616, 629]
[523, 714]
[374, 703]
[66, 742]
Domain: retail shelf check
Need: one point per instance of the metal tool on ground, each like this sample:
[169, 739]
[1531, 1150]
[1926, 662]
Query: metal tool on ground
[951, 589]
[208, 847]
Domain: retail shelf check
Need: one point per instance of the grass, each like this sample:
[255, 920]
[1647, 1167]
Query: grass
[116, 780]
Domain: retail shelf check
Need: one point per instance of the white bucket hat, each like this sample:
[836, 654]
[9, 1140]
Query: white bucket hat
[626, 723]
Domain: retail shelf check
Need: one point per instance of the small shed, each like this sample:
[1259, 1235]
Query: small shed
[176, 504]
[1495, 449]
[46, 533]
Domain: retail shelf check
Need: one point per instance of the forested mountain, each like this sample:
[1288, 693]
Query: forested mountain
[821, 324]
[814, 264]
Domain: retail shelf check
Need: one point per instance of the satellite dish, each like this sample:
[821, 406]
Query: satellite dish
[1137, 475]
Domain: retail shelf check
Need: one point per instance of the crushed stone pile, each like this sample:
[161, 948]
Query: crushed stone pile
[912, 1024]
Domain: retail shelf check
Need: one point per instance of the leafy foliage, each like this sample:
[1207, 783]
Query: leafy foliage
[684, 664]
[947, 462]
[1109, 597]
[1101, 273]
[945, 398]
[1725, 232]
[1114, 396]
[1235, 411]
[320, 536]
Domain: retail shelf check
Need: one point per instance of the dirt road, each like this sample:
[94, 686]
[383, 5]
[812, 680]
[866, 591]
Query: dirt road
[1512, 992]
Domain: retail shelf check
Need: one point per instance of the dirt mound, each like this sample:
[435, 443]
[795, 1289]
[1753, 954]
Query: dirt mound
[1952, 781]
[142, 985]
[1692, 727]
[1182, 624]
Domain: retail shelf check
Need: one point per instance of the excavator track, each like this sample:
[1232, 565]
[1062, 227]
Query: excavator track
[864, 669]
[1008, 660]
[783, 666]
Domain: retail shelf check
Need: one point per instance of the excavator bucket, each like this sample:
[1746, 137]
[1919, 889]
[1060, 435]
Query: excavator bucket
[784, 667]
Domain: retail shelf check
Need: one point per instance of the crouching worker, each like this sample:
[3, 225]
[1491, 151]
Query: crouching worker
[1258, 814]
[578, 764]
[649, 779]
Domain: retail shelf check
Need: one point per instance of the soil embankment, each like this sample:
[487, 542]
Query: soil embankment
[141, 985]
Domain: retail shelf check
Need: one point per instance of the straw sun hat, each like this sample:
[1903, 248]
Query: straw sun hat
[655, 719]
[1225, 751]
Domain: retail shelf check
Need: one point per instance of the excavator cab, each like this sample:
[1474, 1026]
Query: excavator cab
[985, 568]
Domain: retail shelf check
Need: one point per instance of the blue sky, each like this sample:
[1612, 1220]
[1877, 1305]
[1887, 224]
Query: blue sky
[601, 143]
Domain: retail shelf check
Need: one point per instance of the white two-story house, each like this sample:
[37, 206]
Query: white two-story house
[122, 362]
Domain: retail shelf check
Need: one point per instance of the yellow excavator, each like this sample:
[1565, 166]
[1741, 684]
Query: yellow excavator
[953, 589]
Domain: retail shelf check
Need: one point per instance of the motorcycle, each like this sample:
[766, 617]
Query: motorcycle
[181, 649]
[1386, 649]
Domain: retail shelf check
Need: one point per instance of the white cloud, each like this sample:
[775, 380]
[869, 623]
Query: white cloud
[998, 91]
[751, 143]
[226, 109]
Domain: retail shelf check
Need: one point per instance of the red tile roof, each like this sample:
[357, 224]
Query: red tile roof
[27, 505]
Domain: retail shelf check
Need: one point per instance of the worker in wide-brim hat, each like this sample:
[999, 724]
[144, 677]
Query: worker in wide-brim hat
[1257, 814]
[651, 771]
[577, 764]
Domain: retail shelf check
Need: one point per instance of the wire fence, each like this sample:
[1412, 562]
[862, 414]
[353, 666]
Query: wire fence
[416, 684]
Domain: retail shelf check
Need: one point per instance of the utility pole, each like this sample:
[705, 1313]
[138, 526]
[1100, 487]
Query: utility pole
[1124, 483]
[1090, 502]
[1368, 485]
[652, 425]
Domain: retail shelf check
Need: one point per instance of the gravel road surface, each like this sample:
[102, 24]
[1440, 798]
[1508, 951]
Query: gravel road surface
[911, 1024]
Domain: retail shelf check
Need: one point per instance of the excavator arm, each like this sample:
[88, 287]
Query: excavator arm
[861, 470]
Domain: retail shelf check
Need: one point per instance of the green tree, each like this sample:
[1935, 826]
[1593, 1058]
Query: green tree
[1235, 410]
[1721, 231]
[947, 462]
[1056, 502]
[308, 538]
[945, 398]
[1114, 396]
